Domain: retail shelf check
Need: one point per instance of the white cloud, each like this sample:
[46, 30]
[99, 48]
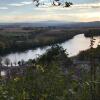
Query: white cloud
[16, 4]
[20, 4]
[48, 4]
[91, 5]
[3, 8]
[77, 12]
[79, 17]
[26, 2]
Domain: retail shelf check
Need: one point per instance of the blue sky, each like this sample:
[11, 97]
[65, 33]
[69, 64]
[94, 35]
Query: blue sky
[25, 11]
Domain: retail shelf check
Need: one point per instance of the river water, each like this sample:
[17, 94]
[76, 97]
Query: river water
[72, 46]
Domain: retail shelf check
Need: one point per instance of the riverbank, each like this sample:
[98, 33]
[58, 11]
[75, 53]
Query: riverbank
[82, 59]
[55, 53]
[92, 32]
[16, 40]
[22, 39]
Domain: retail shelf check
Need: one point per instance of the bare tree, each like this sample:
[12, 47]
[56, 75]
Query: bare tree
[68, 4]
[19, 63]
[15, 63]
[53, 3]
[22, 62]
[7, 61]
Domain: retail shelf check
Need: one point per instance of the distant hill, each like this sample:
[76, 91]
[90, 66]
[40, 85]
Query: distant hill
[51, 24]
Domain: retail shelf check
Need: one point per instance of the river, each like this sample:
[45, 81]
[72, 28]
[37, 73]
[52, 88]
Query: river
[72, 46]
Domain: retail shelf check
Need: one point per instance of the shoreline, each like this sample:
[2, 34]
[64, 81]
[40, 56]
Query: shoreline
[41, 38]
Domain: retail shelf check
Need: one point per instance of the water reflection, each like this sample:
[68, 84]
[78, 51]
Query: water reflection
[73, 46]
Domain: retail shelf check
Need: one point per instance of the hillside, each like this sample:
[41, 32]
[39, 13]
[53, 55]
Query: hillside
[59, 24]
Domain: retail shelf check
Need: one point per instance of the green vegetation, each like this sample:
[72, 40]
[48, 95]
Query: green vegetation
[52, 76]
[14, 39]
[86, 55]
[21, 39]
[93, 32]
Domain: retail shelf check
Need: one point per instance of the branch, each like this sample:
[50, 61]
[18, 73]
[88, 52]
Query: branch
[53, 3]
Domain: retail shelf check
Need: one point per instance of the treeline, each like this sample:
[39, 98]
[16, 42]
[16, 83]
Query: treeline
[12, 40]
[92, 32]
[27, 39]
[86, 55]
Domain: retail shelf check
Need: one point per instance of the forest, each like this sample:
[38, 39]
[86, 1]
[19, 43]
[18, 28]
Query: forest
[53, 76]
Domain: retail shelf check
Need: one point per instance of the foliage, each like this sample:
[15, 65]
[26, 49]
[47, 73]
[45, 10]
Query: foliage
[46, 80]
[26, 38]
[86, 55]
[55, 53]
[92, 32]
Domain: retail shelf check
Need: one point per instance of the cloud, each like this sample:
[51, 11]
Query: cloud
[3, 8]
[91, 5]
[79, 17]
[48, 4]
[16, 4]
[20, 4]
[77, 12]
[27, 3]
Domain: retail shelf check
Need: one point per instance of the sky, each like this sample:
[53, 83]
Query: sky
[12, 11]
